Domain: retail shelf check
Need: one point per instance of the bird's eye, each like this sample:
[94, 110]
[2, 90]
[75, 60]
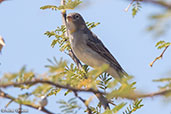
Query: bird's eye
[77, 17]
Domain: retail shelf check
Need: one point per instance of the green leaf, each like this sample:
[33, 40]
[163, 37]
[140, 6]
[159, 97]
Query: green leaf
[70, 4]
[56, 66]
[60, 38]
[159, 43]
[104, 81]
[42, 89]
[166, 86]
[54, 91]
[160, 23]
[92, 24]
[132, 108]
[49, 7]
[108, 111]
[163, 80]
[125, 91]
[70, 106]
[98, 71]
[118, 107]
[162, 44]
[136, 8]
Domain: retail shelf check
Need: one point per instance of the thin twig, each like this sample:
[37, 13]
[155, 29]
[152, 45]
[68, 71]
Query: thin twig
[84, 101]
[71, 53]
[160, 3]
[20, 109]
[8, 103]
[159, 57]
[5, 95]
[37, 81]
[126, 9]
[75, 59]
[135, 95]
[103, 101]
[159, 93]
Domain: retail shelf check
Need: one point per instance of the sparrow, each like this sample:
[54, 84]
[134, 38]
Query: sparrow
[88, 48]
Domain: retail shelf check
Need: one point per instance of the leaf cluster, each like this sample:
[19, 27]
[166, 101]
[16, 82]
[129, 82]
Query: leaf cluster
[70, 106]
[162, 44]
[21, 76]
[160, 23]
[62, 73]
[60, 38]
[166, 86]
[136, 7]
[132, 108]
[69, 4]
[104, 81]
[115, 109]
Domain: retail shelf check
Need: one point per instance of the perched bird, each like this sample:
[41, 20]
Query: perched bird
[88, 48]
[2, 43]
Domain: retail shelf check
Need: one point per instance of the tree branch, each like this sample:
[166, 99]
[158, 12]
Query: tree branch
[98, 93]
[71, 54]
[161, 92]
[159, 57]
[136, 95]
[37, 81]
[84, 101]
[5, 95]
[126, 9]
[75, 59]
[20, 109]
[160, 3]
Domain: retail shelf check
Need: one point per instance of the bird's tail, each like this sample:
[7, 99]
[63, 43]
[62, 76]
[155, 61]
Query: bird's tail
[124, 73]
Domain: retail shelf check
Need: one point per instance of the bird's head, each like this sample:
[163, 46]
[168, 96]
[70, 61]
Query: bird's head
[75, 22]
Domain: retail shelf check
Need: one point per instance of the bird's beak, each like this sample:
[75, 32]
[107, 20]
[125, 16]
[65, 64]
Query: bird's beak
[69, 18]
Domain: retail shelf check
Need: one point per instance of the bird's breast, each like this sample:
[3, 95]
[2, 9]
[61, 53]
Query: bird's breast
[85, 53]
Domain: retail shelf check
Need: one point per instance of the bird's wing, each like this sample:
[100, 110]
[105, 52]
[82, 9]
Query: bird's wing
[95, 44]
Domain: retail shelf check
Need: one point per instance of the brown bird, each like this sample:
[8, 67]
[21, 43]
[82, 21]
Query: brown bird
[89, 48]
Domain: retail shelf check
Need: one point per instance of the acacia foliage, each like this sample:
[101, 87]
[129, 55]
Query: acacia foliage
[67, 74]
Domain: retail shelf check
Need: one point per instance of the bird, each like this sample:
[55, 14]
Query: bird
[89, 49]
[2, 43]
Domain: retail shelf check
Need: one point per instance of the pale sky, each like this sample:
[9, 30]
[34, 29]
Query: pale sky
[23, 25]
